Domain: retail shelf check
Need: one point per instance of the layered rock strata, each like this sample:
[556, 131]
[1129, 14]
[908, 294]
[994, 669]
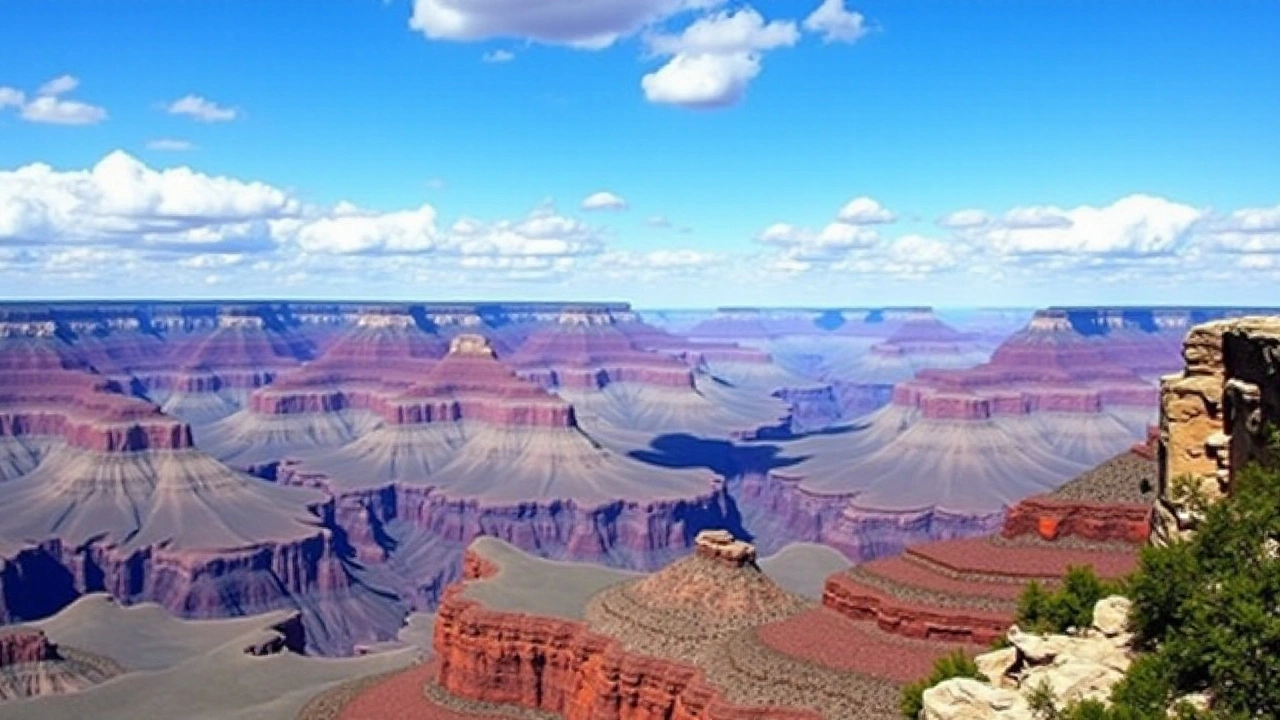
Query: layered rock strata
[680, 644]
[967, 590]
[1216, 415]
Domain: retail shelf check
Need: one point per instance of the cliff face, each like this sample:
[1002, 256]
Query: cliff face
[1215, 415]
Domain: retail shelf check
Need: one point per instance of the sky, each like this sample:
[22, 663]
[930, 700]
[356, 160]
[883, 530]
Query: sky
[669, 153]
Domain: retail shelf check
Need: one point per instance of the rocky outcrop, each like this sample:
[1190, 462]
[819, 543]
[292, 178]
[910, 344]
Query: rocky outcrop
[1073, 667]
[565, 667]
[24, 645]
[1215, 416]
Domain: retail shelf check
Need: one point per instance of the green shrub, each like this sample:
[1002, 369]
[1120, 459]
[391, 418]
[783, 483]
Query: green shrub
[1070, 606]
[956, 664]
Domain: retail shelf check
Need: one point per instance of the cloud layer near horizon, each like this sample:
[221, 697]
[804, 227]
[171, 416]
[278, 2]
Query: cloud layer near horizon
[121, 220]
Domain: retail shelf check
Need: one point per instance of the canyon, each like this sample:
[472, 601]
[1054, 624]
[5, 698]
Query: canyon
[337, 459]
[551, 485]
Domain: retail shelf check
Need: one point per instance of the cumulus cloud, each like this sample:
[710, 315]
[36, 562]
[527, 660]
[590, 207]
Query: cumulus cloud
[1137, 225]
[836, 23]
[201, 109]
[604, 200]
[121, 200]
[829, 244]
[59, 86]
[714, 59]
[11, 97]
[170, 145]
[964, 219]
[56, 111]
[1247, 230]
[49, 107]
[865, 211]
[498, 56]
[180, 226]
[587, 24]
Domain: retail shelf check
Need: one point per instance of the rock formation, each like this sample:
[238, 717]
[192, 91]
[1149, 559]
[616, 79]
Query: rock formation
[1077, 667]
[1216, 415]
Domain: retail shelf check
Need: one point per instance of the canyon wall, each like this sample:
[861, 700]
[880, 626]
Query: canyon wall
[1215, 416]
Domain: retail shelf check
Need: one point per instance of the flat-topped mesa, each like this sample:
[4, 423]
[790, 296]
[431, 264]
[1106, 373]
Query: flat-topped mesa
[1215, 416]
[720, 545]
[122, 437]
[472, 346]
[928, 336]
[28, 329]
[455, 318]
[472, 384]
[593, 356]
[394, 318]
[241, 321]
[578, 316]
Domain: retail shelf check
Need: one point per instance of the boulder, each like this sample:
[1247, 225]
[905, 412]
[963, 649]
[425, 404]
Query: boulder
[969, 699]
[998, 665]
[1073, 679]
[1111, 615]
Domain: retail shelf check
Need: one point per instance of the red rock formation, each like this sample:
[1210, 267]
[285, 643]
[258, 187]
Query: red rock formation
[24, 645]
[1049, 519]
[560, 666]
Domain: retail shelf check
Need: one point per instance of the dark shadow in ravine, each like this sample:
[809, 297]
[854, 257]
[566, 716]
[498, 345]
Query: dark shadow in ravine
[726, 459]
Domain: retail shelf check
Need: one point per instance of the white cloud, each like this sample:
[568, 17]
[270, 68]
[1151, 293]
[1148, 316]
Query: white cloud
[170, 145]
[122, 201]
[1035, 216]
[865, 211]
[714, 59]
[209, 261]
[964, 219]
[60, 85]
[11, 97]
[604, 200]
[586, 24]
[1137, 225]
[498, 56]
[836, 23]
[829, 244]
[726, 33]
[347, 232]
[201, 109]
[48, 108]
[1247, 230]
[701, 81]
[658, 221]
[54, 111]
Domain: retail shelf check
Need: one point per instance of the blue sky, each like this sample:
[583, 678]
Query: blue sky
[1113, 151]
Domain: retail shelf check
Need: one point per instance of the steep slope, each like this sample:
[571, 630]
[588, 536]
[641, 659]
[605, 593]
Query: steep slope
[957, 447]
[624, 395]
[326, 403]
[215, 376]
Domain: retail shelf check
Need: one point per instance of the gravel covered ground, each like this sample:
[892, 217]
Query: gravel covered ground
[1117, 481]
[980, 559]
[917, 585]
